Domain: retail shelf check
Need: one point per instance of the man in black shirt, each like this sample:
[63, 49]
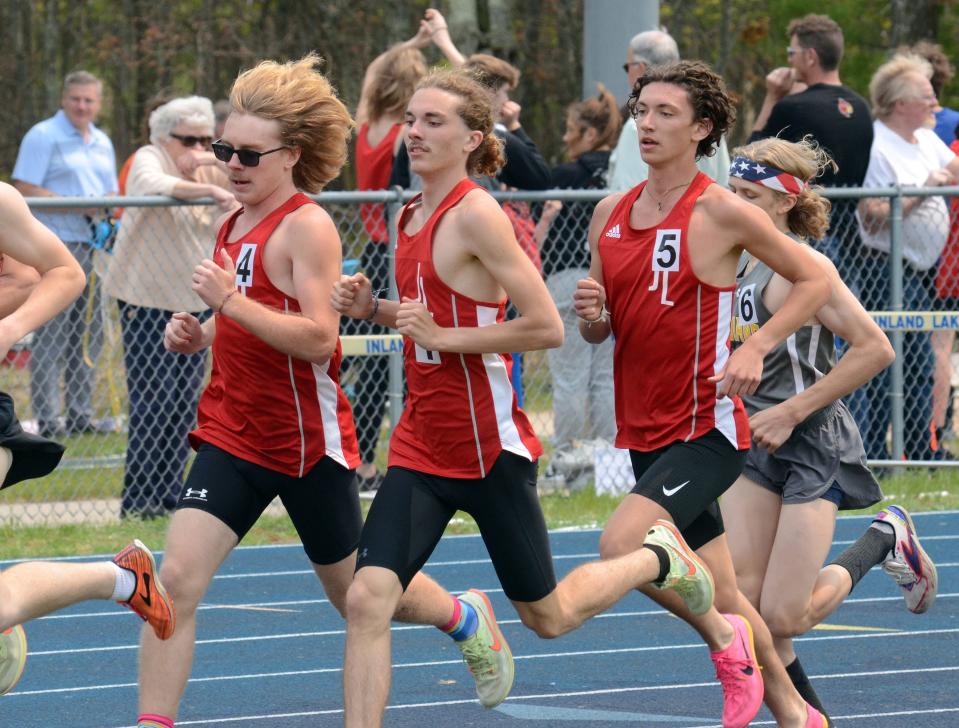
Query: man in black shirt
[833, 114]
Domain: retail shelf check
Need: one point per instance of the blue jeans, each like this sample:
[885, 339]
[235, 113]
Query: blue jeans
[163, 390]
[870, 404]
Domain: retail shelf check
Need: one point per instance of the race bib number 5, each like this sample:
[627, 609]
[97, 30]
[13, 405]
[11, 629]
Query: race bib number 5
[665, 261]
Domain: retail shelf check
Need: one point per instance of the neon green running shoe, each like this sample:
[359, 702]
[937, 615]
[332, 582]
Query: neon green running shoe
[688, 575]
[486, 653]
[13, 656]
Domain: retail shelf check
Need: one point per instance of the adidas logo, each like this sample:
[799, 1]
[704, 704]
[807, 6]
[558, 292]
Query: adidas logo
[613, 232]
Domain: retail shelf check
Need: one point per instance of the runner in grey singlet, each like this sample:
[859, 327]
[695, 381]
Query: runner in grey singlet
[826, 449]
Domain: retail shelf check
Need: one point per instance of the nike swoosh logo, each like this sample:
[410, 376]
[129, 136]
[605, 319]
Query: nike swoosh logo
[148, 600]
[672, 491]
[496, 644]
[747, 670]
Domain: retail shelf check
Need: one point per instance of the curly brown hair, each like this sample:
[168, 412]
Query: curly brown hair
[476, 112]
[706, 92]
[310, 115]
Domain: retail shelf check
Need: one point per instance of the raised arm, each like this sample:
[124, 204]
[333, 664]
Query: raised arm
[810, 290]
[868, 353]
[420, 40]
[313, 247]
[25, 239]
[439, 33]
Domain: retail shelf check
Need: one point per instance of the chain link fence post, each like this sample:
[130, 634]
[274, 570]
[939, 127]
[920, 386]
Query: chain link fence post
[897, 374]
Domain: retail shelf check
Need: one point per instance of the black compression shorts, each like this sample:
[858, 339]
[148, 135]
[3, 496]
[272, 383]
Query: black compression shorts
[687, 478]
[411, 510]
[324, 504]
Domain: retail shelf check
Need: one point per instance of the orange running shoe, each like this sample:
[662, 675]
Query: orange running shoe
[149, 600]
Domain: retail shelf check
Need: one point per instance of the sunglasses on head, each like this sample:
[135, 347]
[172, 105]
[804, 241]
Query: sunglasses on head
[188, 140]
[247, 157]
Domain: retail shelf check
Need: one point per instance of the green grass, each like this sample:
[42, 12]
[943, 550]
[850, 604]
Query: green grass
[917, 491]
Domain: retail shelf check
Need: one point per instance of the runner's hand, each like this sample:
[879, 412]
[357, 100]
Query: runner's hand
[589, 299]
[414, 320]
[183, 334]
[770, 428]
[353, 296]
[742, 373]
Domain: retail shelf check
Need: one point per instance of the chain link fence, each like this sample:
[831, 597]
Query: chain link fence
[99, 381]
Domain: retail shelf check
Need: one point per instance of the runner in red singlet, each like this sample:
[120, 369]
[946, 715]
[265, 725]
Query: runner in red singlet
[462, 442]
[662, 281]
[273, 421]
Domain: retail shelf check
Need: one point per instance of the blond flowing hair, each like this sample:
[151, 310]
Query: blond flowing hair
[310, 115]
[809, 217]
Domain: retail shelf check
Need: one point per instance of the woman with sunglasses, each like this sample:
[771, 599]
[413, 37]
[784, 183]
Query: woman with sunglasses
[149, 275]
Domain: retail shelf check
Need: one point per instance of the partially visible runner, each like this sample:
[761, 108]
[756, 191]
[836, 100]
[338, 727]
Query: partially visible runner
[807, 459]
[462, 442]
[273, 421]
[662, 281]
[39, 278]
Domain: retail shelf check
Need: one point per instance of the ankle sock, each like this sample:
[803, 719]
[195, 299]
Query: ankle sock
[799, 680]
[464, 622]
[126, 582]
[870, 549]
[151, 720]
[663, 561]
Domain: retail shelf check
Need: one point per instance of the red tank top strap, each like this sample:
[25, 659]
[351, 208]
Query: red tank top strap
[459, 191]
[686, 203]
[267, 225]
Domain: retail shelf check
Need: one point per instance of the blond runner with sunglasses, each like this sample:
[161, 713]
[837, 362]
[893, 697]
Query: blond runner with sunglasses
[273, 421]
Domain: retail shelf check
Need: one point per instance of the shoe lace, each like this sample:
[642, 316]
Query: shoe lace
[477, 657]
[900, 572]
[729, 672]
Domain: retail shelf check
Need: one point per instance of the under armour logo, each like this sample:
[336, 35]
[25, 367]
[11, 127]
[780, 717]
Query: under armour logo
[363, 553]
[197, 494]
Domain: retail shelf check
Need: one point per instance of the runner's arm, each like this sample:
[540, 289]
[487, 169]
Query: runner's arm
[315, 261]
[30, 242]
[868, 353]
[590, 296]
[485, 232]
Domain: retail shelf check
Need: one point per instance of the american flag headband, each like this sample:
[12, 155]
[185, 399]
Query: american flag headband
[767, 176]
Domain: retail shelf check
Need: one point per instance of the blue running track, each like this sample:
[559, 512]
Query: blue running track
[270, 650]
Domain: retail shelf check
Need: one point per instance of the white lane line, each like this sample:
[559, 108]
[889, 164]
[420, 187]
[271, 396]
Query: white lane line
[608, 691]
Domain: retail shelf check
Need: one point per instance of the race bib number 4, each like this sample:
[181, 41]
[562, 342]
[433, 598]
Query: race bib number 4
[244, 265]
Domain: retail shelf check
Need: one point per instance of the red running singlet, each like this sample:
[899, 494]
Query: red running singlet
[671, 331]
[461, 411]
[262, 405]
[373, 168]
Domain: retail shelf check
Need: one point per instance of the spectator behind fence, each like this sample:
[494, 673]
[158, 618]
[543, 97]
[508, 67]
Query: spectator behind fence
[834, 115]
[942, 73]
[582, 374]
[149, 275]
[525, 168]
[905, 151]
[626, 166]
[67, 156]
[388, 84]
[947, 299]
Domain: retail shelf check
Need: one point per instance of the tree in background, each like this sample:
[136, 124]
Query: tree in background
[197, 46]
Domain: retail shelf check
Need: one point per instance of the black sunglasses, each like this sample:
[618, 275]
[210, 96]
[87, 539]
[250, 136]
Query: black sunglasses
[247, 157]
[189, 140]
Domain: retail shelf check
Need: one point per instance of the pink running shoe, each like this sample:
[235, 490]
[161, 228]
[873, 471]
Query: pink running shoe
[815, 719]
[738, 673]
